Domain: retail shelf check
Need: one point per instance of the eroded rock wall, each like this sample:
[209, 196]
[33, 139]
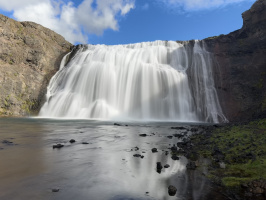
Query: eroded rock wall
[241, 66]
[30, 54]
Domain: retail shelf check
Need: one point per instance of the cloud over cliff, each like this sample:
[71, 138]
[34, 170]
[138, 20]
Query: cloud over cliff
[74, 22]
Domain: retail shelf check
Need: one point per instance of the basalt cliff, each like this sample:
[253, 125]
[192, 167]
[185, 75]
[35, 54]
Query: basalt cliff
[30, 54]
[241, 66]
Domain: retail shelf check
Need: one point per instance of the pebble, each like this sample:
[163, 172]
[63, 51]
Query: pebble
[72, 141]
[85, 143]
[143, 135]
[166, 166]
[55, 190]
[58, 146]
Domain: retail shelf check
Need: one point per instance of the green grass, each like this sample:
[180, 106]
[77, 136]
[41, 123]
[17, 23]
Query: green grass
[243, 173]
[244, 149]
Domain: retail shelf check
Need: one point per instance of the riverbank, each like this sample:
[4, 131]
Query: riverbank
[237, 157]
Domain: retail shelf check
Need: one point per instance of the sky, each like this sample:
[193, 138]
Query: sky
[114, 22]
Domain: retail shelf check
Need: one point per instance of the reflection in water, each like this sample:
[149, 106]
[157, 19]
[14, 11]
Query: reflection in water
[103, 169]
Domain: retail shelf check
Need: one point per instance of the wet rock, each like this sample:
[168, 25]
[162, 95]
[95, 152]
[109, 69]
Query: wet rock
[58, 146]
[137, 155]
[175, 157]
[191, 165]
[72, 141]
[143, 135]
[154, 150]
[159, 167]
[194, 130]
[172, 190]
[166, 166]
[55, 190]
[178, 135]
[170, 136]
[84, 143]
[136, 148]
[179, 128]
[116, 124]
[6, 142]
[244, 186]
[173, 148]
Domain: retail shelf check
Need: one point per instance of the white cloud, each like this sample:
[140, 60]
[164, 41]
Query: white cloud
[74, 23]
[195, 5]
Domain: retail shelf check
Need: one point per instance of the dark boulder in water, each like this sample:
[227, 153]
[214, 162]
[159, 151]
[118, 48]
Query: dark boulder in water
[143, 135]
[55, 190]
[175, 157]
[159, 167]
[57, 146]
[154, 150]
[172, 190]
[85, 143]
[166, 166]
[72, 141]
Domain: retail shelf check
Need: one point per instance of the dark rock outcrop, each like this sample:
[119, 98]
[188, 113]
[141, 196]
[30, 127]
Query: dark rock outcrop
[30, 55]
[240, 71]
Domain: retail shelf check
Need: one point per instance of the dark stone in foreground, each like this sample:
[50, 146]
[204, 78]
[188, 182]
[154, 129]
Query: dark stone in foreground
[55, 190]
[6, 142]
[166, 166]
[159, 167]
[85, 143]
[172, 190]
[57, 146]
[178, 128]
[178, 135]
[143, 135]
[154, 150]
[174, 148]
[174, 157]
[116, 124]
[72, 141]
[138, 156]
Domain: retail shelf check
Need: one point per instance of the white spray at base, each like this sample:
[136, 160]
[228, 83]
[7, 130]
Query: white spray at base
[161, 80]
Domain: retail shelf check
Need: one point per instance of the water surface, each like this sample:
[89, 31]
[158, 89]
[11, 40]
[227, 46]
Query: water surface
[102, 169]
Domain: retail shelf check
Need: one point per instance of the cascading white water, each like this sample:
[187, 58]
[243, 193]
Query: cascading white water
[145, 81]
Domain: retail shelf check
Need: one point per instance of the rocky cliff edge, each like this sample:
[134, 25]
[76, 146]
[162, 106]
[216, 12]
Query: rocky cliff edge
[240, 71]
[30, 55]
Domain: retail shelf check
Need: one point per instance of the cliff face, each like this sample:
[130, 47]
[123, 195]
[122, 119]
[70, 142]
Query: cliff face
[241, 66]
[29, 56]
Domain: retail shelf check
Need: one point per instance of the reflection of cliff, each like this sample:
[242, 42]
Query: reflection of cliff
[241, 57]
[29, 55]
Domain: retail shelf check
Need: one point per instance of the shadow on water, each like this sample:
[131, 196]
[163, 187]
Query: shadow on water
[105, 168]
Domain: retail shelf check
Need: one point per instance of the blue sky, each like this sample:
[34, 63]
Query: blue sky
[129, 21]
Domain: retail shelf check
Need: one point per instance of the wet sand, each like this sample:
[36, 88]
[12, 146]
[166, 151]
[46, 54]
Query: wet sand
[105, 168]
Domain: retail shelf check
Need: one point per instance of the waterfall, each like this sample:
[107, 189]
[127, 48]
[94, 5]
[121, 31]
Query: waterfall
[161, 80]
